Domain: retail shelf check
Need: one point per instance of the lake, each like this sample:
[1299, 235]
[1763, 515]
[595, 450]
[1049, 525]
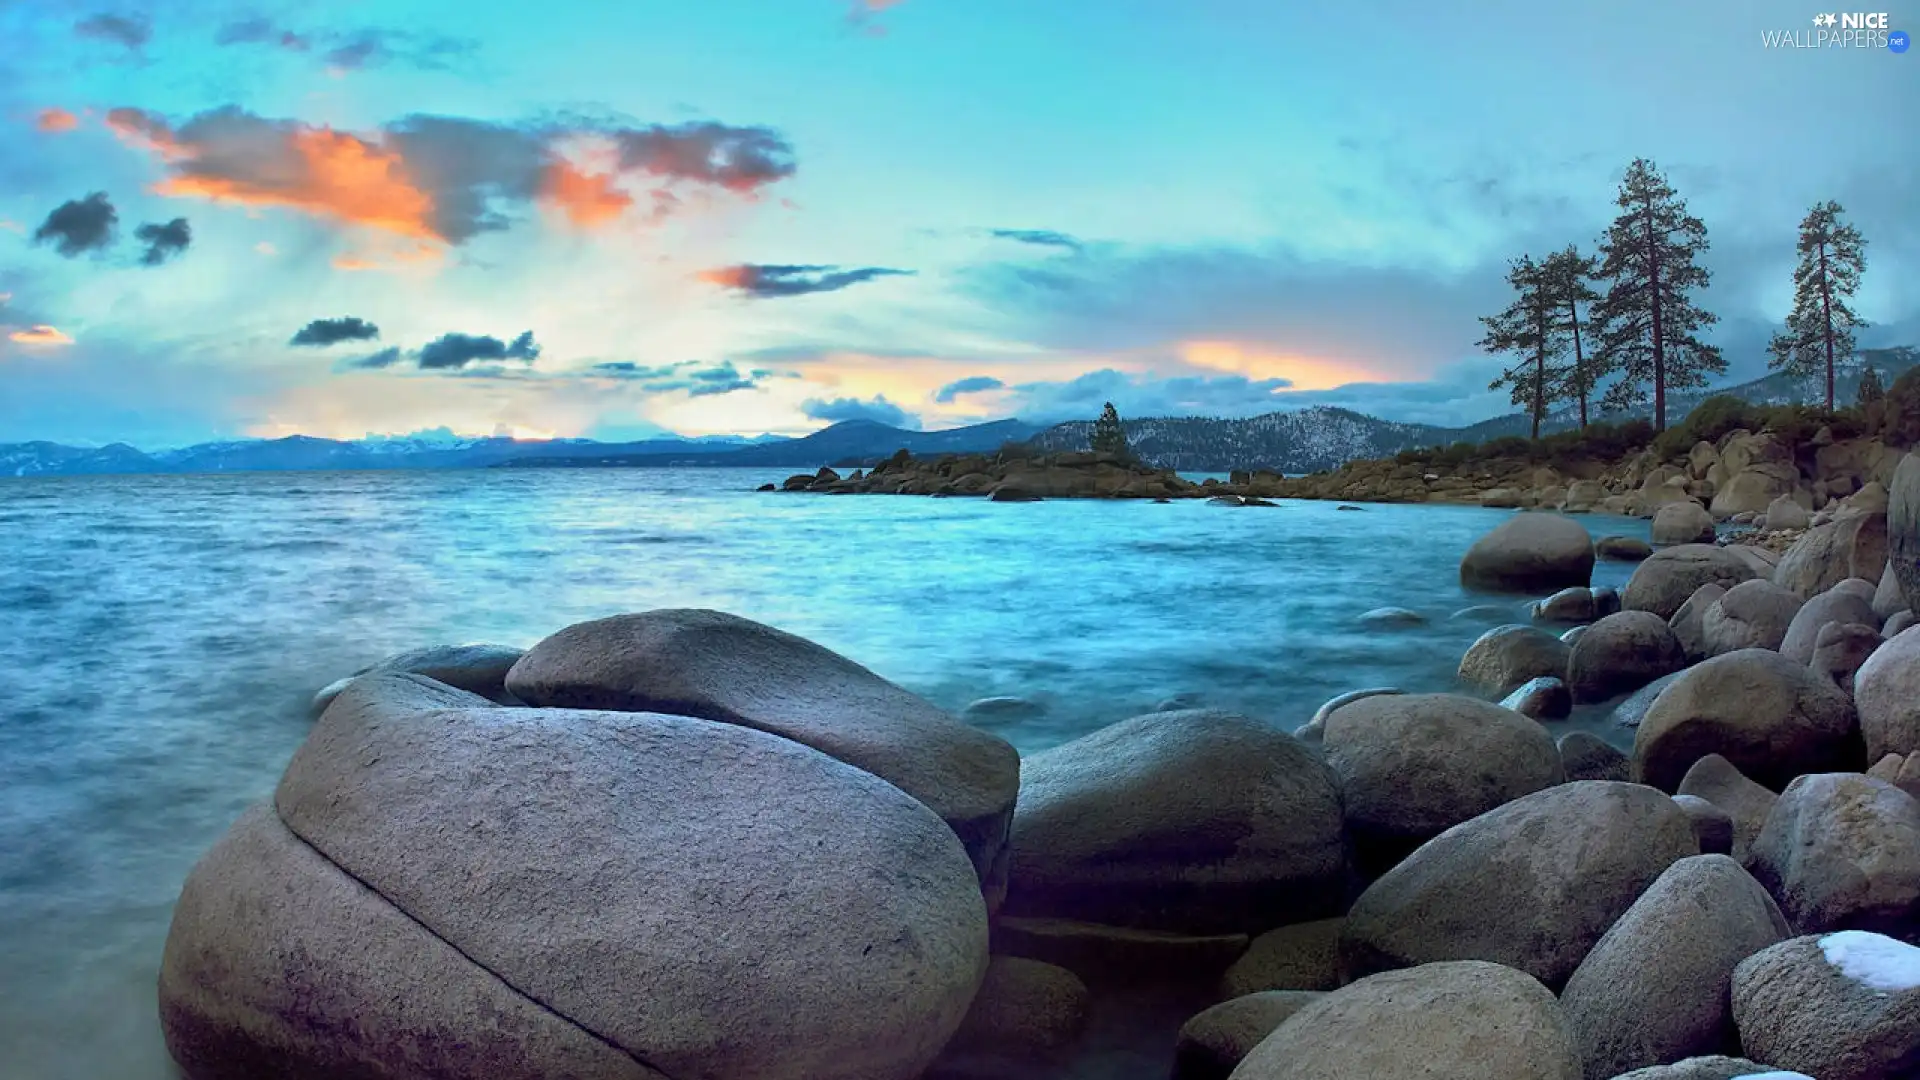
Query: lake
[165, 634]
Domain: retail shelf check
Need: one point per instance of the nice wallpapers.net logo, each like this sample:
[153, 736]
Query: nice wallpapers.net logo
[1841, 30]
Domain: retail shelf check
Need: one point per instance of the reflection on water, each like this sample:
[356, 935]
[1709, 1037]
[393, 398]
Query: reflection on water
[165, 633]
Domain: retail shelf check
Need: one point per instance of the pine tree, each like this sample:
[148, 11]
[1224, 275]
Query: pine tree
[1871, 391]
[1647, 323]
[1108, 436]
[1529, 327]
[1568, 278]
[1820, 327]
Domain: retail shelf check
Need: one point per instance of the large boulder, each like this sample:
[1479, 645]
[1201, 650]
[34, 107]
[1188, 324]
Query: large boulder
[1544, 698]
[1446, 1021]
[1689, 621]
[1303, 956]
[721, 667]
[1505, 658]
[1841, 851]
[1836, 605]
[1840, 1007]
[1531, 885]
[1715, 780]
[1571, 605]
[1751, 615]
[1753, 489]
[1903, 528]
[1655, 987]
[1195, 821]
[1530, 553]
[1622, 653]
[1840, 652]
[1665, 581]
[1413, 765]
[1622, 548]
[1772, 718]
[1633, 709]
[1887, 691]
[1212, 1044]
[1847, 547]
[1586, 756]
[478, 669]
[1784, 513]
[1682, 523]
[611, 868]
[1888, 600]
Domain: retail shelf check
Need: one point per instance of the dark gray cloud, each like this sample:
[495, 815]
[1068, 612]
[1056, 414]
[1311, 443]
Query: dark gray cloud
[1039, 237]
[259, 30]
[78, 226]
[690, 377]
[353, 50]
[878, 409]
[132, 31]
[385, 358]
[972, 385]
[323, 332]
[765, 282]
[164, 240]
[454, 351]
[739, 159]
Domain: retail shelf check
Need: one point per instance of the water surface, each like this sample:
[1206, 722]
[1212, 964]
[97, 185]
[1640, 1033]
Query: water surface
[164, 634]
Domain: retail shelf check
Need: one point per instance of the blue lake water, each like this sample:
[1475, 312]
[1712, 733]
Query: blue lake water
[163, 635]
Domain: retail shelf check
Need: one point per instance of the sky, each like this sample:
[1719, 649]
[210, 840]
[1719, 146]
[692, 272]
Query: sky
[225, 220]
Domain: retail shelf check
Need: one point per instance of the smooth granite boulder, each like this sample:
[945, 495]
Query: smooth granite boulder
[1196, 822]
[1413, 765]
[1544, 698]
[280, 965]
[1888, 598]
[1622, 548]
[1751, 615]
[713, 900]
[1622, 653]
[720, 667]
[1026, 1011]
[1886, 690]
[477, 669]
[1506, 658]
[1840, 1007]
[1464, 1020]
[1530, 553]
[1833, 606]
[1531, 885]
[1715, 780]
[1655, 988]
[1689, 621]
[1854, 546]
[1841, 851]
[1772, 718]
[1215, 1041]
[1682, 523]
[1712, 826]
[1840, 652]
[1303, 956]
[1665, 581]
[1572, 605]
[1586, 756]
[1903, 528]
[1632, 710]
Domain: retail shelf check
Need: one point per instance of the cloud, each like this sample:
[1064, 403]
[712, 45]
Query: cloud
[767, 282]
[164, 241]
[690, 377]
[447, 179]
[259, 30]
[78, 226]
[40, 335]
[972, 385]
[323, 332]
[56, 120]
[878, 409]
[364, 49]
[1038, 237]
[385, 358]
[861, 13]
[455, 351]
[130, 31]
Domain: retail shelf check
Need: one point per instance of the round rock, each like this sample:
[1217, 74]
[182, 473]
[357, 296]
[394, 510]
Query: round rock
[1839, 653]
[1712, 826]
[1772, 718]
[1622, 653]
[1832, 606]
[478, 669]
[1841, 851]
[1665, 581]
[1887, 691]
[1545, 698]
[1715, 780]
[1586, 756]
[1303, 956]
[1506, 657]
[1689, 622]
[1530, 553]
[1622, 548]
[1026, 1010]
[1213, 1043]
[1751, 615]
[1682, 523]
[1840, 1007]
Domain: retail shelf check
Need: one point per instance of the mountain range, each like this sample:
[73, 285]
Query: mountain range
[1303, 440]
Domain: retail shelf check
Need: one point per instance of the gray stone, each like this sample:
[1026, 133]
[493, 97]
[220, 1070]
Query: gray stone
[1714, 779]
[1828, 554]
[1899, 623]
[1784, 513]
[1682, 523]
[1655, 988]
[1303, 956]
[1622, 653]
[1689, 621]
[1887, 691]
[1832, 606]
[1574, 605]
[1532, 884]
[720, 667]
[1586, 756]
[1341, 701]
[1002, 710]
[477, 669]
[1840, 651]
[1801, 1005]
[1447, 1021]
[1630, 712]
[1213, 1043]
[1711, 1067]
[1751, 615]
[1841, 851]
[1772, 718]
[1194, 822]
[1712, 826]
[1545, 698]
[1530, 553]
[1622, 548]
[1665, 581]
[1903, 528]
[1887, 597]
[1506, 657]
[1388, 618]
[1026, 1010]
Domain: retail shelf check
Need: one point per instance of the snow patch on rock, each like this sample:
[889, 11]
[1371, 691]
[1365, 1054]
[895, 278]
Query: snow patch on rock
[1873, 960]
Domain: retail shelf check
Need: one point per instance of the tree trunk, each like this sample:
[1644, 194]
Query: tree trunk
[1579, 362]
[1659, 340]
[1826, 320]
[1539, 365]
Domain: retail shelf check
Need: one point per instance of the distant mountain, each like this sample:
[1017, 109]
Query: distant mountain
[850, 442]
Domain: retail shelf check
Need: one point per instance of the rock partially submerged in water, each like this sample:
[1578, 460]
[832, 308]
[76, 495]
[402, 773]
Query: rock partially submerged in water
[1505, 658]
[1622, 653]
[724, 668]
[479, 669]
[1544, 698]
[1530, 553]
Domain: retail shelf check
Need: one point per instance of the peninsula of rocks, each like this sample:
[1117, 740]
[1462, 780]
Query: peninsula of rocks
[679, 844]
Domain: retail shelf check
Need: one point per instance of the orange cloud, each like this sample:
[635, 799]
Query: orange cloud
[588, 199]
[57, 120]
[343, 177]
[421, 254]
[727, 277]
[1255, 362]
[40, 335]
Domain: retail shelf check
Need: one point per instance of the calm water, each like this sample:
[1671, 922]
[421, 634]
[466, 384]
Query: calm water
[162, 636]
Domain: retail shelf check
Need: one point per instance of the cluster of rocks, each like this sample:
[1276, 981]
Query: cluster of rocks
[1006, 477]
[681, 844]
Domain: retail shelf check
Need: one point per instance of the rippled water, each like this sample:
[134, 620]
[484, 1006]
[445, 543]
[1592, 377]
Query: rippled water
[163, 635]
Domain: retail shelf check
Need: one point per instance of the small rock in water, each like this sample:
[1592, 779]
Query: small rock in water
[1026, 1010]
[1346, 507]
[1622, 653]
[1482, 613]
[1572, 637]
[1002, 710]
[1544, 698]
[1622, 548]
[1251, 500]
[768, 487]
[1573, 605]
[1387, 617]
[1506, 657]
[1225, 500]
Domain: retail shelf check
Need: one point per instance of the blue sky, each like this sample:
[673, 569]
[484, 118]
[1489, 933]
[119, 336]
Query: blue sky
[747, 217]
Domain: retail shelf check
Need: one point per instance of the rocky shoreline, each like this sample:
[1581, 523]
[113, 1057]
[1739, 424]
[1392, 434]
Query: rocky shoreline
[678, 844]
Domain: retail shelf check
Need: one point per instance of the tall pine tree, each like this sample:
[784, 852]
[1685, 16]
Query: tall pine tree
[1530, 327]
[1647, 323]
[1871, 391]
[1109, 437]
[1569, 277]
[1820, 327]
